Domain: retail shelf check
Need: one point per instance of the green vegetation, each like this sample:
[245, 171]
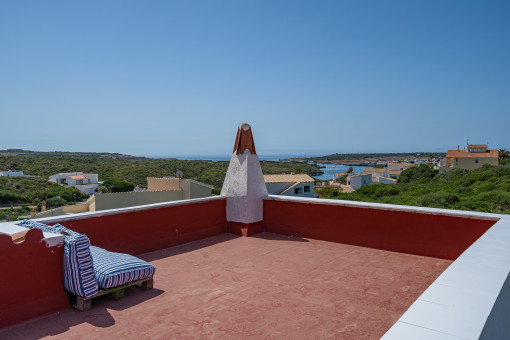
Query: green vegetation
[504, 155]
[136, 171]
[116, 185]
[486, 189]
[15, 190]
[33, 190]
[11, 214]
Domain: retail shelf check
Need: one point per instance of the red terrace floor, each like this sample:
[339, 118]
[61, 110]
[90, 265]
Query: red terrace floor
[263, 287]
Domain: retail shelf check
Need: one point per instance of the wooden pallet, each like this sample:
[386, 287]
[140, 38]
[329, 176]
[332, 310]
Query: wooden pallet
[85, 303]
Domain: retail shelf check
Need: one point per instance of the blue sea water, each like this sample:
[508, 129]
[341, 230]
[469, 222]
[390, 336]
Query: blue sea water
[331, 169]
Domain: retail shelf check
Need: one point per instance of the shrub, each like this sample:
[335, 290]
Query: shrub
[116, 185]
[424, 172]
[438, 199]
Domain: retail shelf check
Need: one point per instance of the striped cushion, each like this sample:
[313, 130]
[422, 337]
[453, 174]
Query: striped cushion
[31, 224]
[115, 269]
[79, 275]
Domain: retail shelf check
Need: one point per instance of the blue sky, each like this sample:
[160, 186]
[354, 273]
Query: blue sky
[311, 77]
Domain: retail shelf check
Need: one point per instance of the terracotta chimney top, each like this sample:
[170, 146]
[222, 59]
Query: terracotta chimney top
[244, 140]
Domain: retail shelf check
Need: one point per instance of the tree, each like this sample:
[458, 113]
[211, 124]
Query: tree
[116, 185]
[424, 172]
[431, 157]
[503, 154]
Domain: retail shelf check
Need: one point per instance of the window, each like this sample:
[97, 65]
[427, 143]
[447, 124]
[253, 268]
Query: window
[476, 160]
[307, 188]
[298, 191]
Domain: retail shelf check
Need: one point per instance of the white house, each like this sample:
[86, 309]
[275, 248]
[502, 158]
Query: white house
[375, 172]
[339, 175]
[12, 174]
[290, 185]
[399, 166]
[359, 180]
[86, 183]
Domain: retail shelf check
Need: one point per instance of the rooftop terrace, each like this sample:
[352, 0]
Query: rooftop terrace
[266, 286]
[250, 265]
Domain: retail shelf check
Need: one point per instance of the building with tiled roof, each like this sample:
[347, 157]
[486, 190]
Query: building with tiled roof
[248, 264]
[399, 166]
[476, 156]
[290, 185]
[86, 183]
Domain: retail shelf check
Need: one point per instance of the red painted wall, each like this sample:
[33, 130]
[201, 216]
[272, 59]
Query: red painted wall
[32, 279]
[143, 231]
[437, 236]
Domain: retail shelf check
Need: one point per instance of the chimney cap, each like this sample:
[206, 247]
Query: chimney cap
[244, 140]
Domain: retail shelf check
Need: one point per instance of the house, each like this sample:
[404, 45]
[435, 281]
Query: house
[86, 183]
[11, 173]
[189, 187]
[476, 156]
[339, 175]
[290, 185]
[420, 161]
[375, 172]
[356, 181]
[247, 264]
[387, 180]
[393, 174]
[399, 166]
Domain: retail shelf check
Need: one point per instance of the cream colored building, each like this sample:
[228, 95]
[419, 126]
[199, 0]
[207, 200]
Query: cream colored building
[375, 172]
[476, 156]
[159, 190]
[399, 166]
[189, 187]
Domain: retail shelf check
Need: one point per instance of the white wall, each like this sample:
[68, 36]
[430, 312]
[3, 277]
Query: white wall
[386, 180]
[12, 173]
[397, 167]
[358, 181]
[276, 188]
[87, 188]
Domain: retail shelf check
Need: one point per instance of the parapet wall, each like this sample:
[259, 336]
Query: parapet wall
[425, 234]
[32, 283]
[142, 229]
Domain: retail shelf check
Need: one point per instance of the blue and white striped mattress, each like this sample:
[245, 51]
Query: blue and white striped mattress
[114, 269]
[79, 276]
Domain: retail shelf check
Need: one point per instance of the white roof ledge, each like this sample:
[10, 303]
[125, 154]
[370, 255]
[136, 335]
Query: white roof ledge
[85, 215]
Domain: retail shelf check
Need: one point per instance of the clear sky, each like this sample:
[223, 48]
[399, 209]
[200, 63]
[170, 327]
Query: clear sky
[177, 77]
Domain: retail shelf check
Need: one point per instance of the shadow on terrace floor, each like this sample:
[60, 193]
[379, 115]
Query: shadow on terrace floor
[210, 241]
[98, 316]
[279, 237]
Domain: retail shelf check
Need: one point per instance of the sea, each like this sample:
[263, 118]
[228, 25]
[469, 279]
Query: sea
[330, 169]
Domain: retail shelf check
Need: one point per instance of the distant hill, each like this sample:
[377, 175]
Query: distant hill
[29, 153]
[366, 158]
